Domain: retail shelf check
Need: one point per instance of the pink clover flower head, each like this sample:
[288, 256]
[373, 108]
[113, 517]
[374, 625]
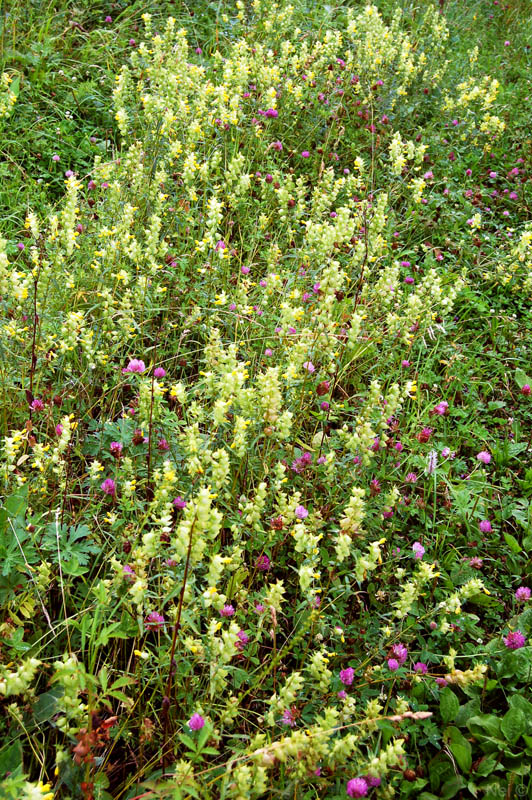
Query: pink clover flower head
[227, 611]
[263, 563]
[507, 43]
[405, 263]
[59, 429]
[108, 19]
[272, 113]
[525, 389]
[372, 781]
[135, 365]
[132, 43]
[441, 408]
[484, 457]
[55, 157]
[259, 608]
[411, 477]
[405, 363]
[409, 279]
[277, 146]
[159, 372]
[178, 502]
[347, 676]
[305, 154]
[421, 668]
[244, 270]
[20, 246]
[108, 487]
[163, 445]
[37, 404]
[425, 434]
[522, 594]
[309, 366]
[393, 664]
[418, 549]
[116, 449]
[514, 640]
[342, 694]
[198, 51]
[485, 526]
[196, 722]
[154, 620]
[129, 574]
[268, 352]
[441, 682]
[301, 512]
[400, 652]
[357, 787]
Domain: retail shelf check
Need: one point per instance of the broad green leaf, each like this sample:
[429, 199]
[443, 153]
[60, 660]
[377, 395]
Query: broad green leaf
[521, 378]
[449, 705]
[451, 787]
[460, 748]
[513, 724]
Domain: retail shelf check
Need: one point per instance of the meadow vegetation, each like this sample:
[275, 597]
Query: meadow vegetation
[265, 400]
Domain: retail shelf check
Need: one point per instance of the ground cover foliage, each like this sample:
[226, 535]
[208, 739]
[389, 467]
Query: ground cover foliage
[265, 278]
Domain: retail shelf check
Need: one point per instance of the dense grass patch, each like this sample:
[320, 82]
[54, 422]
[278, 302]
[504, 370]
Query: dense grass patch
[265, 279]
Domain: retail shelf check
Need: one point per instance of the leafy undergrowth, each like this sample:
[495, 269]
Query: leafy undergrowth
[266, 407]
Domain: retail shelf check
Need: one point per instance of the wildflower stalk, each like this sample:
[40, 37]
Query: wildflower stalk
[167, 701]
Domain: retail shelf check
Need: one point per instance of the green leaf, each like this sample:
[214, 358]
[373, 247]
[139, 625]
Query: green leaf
[11, 758]
[188, 741]
[449, 705]
[521, 378]
[486, 724]
[512, 543]
[486, 766]
[451, 787]
[116, 693]
[46, 705]
[460, 748]
[513, 724]
[466, 712]
[123, 681]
